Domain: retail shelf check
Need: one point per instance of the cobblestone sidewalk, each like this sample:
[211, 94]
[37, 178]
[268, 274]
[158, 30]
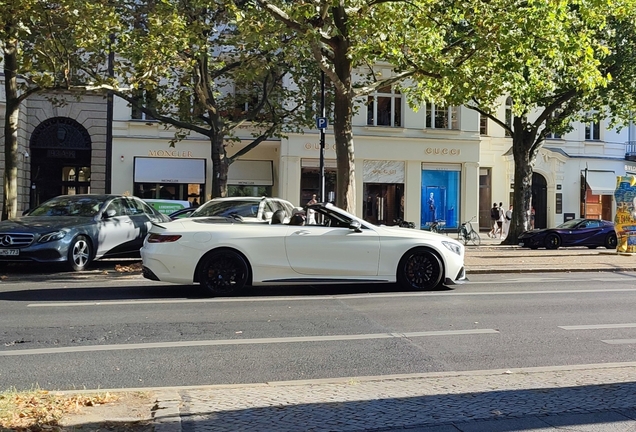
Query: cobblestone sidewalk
[443, 401]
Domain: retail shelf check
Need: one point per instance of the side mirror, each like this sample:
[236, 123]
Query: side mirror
[109, 213]
[268, 215]
[356, 226]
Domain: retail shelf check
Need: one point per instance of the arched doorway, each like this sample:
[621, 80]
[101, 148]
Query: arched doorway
[60, 159]
[540, 200]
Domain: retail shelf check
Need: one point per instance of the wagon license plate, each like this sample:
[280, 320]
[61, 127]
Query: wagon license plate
[9, 252]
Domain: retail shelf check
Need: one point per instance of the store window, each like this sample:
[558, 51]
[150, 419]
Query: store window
[383, 195]
[170, 179]
[384, 108]
[250, 178]
[440, 195]
[383, 203]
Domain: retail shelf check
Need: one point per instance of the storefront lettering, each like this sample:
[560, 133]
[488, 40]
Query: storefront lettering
[310, 146]
[384, 172]
[442, 151]
[170, 153]
[68, 154]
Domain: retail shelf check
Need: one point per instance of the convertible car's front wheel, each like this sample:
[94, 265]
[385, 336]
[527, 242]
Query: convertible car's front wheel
[420, 269]
[79, 254]
[224, 273]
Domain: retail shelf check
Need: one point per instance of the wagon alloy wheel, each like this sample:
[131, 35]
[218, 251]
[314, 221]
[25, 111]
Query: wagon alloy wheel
[224, 273]
[610, 241]
[552, 241]
[420, 269]
[79, 254]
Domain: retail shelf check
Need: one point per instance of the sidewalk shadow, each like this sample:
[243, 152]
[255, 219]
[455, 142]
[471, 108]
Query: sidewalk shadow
[507, 410]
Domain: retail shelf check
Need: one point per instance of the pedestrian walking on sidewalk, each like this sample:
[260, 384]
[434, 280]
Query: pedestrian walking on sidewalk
[500, 220]
[494, 215]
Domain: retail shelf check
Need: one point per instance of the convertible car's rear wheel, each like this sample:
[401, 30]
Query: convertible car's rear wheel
[610, 241]
[79, 254]
[224, 273]
[552, 241]
[420, 269]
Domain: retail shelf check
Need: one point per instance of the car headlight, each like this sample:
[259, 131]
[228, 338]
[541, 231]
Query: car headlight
[453, 247]
[56, 235]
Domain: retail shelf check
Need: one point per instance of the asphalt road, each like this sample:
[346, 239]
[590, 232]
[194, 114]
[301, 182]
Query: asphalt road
[65, 332]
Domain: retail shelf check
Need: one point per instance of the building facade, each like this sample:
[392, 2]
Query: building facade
[439, 164]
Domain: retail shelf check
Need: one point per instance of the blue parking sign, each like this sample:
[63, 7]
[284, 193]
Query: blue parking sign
[321, 122]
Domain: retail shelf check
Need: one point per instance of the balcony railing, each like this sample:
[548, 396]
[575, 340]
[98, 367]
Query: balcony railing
[630, 150]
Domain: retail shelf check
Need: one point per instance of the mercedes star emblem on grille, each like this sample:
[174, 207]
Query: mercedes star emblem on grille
[6, 240]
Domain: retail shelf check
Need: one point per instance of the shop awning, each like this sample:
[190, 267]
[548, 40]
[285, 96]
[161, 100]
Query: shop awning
[601, 182]
[252, 173]
[166, 170]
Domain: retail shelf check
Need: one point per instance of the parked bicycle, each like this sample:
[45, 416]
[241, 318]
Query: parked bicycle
[468, 234]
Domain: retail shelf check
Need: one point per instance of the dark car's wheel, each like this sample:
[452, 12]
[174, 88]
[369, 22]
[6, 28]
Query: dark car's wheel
[611, 241]
[552, 241]
[224, 273]
[420, 269]
[79, 253]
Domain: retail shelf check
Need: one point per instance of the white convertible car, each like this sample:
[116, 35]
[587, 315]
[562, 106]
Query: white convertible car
[226, 254]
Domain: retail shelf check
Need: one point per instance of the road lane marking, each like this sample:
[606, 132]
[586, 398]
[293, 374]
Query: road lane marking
[598, 326]
[619, 341]
[327, 297]
[220, 342]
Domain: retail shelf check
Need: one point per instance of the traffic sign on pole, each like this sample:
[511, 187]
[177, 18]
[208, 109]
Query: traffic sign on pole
[321, 122]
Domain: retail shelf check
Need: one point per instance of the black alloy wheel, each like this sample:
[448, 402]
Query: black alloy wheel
[420, 269]
[224, 273]
[80, 253]
[552, 241]
[611, 241]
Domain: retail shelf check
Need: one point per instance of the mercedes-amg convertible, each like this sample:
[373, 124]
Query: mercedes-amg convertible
[225, 254]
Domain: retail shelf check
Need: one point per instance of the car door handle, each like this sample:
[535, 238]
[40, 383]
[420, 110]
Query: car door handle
[301, 232]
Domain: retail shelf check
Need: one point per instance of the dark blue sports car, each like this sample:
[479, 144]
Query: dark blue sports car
[576, 232]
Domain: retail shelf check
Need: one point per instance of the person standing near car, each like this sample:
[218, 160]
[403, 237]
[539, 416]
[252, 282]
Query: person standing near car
[311, 213]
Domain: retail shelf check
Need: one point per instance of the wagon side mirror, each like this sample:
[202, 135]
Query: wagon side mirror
[109, 213]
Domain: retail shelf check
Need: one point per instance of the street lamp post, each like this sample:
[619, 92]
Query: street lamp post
[109, 118]
[322, 136]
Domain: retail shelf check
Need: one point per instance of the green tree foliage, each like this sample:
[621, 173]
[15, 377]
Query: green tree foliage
[188, 65]
[340, 37]
[42, 47]
[559, 61]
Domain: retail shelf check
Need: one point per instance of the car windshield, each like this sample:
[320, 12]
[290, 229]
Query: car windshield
[570, 224]
[68, 206]
[227, 208]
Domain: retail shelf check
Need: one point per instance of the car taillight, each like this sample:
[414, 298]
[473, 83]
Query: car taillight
[161, 238]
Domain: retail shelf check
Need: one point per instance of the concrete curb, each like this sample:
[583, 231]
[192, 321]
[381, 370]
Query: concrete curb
[470, 271]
